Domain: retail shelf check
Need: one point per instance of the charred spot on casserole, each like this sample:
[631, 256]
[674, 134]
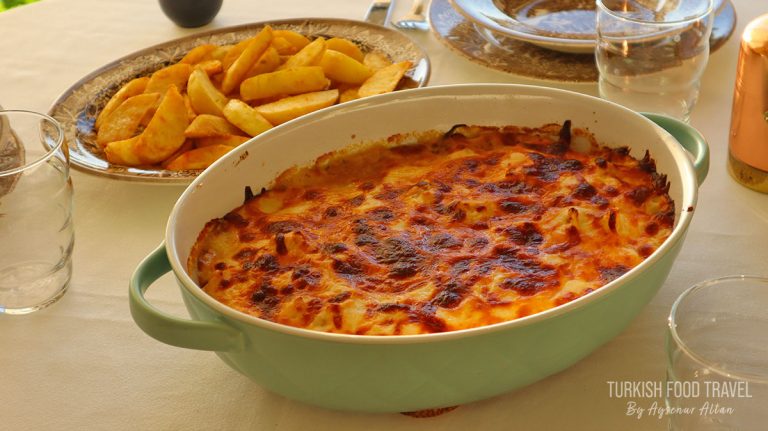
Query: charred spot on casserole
[472, 227]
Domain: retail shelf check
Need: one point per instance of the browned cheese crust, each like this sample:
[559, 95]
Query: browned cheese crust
[477, 226]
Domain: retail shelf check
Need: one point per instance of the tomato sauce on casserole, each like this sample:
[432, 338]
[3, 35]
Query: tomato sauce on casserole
[472, 227]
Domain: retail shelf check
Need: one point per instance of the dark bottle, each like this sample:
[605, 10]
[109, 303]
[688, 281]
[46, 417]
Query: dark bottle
[190, 13]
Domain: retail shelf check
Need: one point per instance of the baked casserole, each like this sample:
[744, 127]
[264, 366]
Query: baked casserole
[467, 228]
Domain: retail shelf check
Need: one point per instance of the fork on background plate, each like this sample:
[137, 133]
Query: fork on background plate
[414, 19]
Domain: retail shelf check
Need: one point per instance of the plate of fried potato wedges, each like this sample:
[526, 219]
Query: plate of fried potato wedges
[165, 113]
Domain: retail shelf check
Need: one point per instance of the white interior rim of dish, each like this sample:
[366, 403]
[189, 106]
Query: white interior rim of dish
[684, 212]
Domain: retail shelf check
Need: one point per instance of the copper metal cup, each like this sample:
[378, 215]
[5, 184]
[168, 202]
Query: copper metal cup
[748, 140]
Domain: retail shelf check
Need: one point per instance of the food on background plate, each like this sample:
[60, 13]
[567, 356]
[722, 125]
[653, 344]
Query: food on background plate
[134, 87]
[462, 229]
[295, 106]
[383, 80]
[232, 93]
[126, 118]
[162, 137]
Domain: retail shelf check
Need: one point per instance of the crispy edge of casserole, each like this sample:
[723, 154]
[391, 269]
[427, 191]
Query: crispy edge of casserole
[472, 227]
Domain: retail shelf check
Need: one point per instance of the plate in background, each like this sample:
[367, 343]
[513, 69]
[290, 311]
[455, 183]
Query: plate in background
[506, 54]
[561, 25]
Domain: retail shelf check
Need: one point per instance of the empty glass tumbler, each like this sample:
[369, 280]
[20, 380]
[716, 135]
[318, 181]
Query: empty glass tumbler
[651, 53]
[717, 356]
[36, 232]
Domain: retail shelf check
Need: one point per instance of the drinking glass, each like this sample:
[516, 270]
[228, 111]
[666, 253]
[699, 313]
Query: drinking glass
[652, 53]
[36, 233]
[717, 356]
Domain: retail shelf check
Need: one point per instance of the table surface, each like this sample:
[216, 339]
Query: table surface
[84, 364]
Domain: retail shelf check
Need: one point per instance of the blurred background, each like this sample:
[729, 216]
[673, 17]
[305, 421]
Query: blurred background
[7, 4]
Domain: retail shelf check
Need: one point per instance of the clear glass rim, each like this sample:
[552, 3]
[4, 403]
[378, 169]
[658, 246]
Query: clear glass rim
[8, 113]
[683, 346]
[687, 20]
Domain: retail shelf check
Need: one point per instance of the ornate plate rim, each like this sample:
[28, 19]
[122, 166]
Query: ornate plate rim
[70, 120]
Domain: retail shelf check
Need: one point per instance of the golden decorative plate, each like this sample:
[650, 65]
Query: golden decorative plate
[76, 108]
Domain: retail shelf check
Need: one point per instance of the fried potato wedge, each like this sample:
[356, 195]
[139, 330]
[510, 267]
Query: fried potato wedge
[176, 74]
[165, 118]
[203, 96]
[221, 52]
[343, 68]
[349, 94]
[283, 47]
[132, 88]
[199, 54]
[245, 118]
[345, 46]
[198, 158]
[284, 82]
[228, 140]
[123, 152]
[235, 74]
[188, 144]
[296, 39]
[376, 60]
[268, 62]
[187, 104]
[295, 106]
[210, 67]
[206, 126]
[234, 51]
[124, 122]
[384, 80]
[148, 116]
[310, 55]
[165, 132]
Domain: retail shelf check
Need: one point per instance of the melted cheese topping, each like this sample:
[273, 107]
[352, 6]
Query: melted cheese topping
[479, 226]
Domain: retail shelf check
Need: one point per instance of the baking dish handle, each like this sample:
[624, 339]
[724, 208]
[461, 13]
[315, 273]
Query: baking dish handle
[191, 334]
[689, 138]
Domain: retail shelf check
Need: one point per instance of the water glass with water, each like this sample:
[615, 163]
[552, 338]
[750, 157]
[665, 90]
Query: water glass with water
[651, 53]
[36, 232]
[717, 356]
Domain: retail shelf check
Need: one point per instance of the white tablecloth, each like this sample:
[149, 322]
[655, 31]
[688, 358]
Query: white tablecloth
[84, 364]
